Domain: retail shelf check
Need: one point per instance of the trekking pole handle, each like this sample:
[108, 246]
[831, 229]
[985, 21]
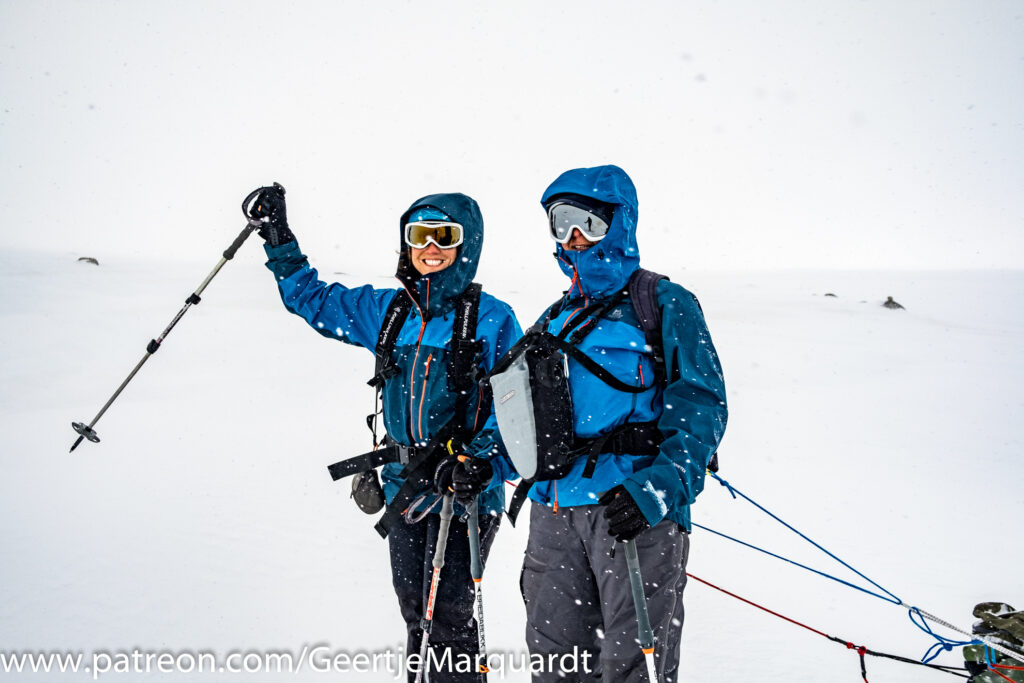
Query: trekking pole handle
[253, 224]
[473, 522]
[447, 512]
[254, 221]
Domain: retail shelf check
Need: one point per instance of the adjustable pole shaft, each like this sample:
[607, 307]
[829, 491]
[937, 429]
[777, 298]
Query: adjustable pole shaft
[86, 431]
[447, 512]
[643, 621]
[476, 569]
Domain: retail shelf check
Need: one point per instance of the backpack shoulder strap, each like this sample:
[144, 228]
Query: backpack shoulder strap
[465, 346]
[394, 318]
[643, 292]
[464, 367]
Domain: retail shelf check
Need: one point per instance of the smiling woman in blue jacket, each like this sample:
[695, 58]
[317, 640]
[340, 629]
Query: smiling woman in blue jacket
[643, 452]
[440, 238]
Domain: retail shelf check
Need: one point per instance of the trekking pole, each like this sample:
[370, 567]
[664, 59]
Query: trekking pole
[86, 431]
[643, 621]
[476, 569]
[439, 550]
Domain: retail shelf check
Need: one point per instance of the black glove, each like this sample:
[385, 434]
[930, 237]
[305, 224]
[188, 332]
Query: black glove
[443, 474]
[269, 204]
[625, 520]
[470, 477]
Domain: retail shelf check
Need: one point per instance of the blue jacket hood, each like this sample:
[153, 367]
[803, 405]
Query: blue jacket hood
[436, 292]
[606, 267]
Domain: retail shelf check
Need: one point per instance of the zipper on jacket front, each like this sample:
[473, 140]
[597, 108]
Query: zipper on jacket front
[412, 384]
[426, 374]
[640, 380]
[412, 372]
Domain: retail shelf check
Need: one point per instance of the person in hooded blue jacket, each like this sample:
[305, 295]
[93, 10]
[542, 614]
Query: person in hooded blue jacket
[638, 486]
[440, 239]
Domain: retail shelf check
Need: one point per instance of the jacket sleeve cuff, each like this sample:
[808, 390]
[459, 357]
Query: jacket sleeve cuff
[651, 504]
[285, 260]
[282, 251]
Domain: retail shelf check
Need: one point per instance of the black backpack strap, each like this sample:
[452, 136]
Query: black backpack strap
[394, 318]
[518, 499]
[598, 371]
[465, 346]
[643, 294]
[630, 438]
[418, 473]
[370, 460]
[589, 317]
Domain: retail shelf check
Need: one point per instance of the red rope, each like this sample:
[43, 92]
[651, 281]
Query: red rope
[859, 649]
[1005, 678]
[765, 609]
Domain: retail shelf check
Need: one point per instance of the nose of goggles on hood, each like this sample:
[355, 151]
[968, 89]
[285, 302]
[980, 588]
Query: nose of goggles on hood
[445, 234]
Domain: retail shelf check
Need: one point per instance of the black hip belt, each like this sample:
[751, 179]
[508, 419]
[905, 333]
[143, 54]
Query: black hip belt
[419, 463]
[365, 462]
[632, 438]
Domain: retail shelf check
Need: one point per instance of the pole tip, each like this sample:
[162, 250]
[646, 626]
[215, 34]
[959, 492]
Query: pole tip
[84, 432]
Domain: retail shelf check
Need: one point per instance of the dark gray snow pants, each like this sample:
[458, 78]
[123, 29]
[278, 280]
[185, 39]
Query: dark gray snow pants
[454, 626]
[578, 596]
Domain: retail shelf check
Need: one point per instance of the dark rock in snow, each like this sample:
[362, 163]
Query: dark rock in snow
[889, 303]
[831, 295]
[89, 259]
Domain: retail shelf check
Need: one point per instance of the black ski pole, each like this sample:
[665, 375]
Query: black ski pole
[447, 513]
[86, 431]
[476, 569]
[643, 622]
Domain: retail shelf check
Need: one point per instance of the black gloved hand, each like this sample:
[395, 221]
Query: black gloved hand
[270, 204]
[625, 520]
[470, 477]
[443, 474]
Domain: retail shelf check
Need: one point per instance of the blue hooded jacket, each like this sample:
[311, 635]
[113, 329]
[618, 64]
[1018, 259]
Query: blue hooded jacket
[690, 407]
[416, 402]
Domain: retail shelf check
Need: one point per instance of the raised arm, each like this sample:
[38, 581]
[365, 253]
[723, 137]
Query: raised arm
[352, 315]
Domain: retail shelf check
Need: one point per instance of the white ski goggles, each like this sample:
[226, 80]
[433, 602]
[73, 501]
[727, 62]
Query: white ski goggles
[564, 218]
[444, 234]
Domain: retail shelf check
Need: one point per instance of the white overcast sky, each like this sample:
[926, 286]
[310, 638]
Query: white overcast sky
[765, 133]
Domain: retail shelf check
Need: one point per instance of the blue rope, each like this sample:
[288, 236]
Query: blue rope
[895, 601]
[734, 491]
[991, 658]
[723, 482]
[941, 644]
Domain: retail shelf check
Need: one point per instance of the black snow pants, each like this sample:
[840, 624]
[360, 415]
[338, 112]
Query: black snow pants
[454, 626]
[579, 602]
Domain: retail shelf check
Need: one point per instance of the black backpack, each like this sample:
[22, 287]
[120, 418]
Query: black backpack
[544, 356]
[463, 372]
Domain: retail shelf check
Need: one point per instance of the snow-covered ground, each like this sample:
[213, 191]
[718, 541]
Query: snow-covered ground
[205, 520]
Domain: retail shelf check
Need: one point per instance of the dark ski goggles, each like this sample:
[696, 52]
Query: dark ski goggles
[564, 218]
[444, 234]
